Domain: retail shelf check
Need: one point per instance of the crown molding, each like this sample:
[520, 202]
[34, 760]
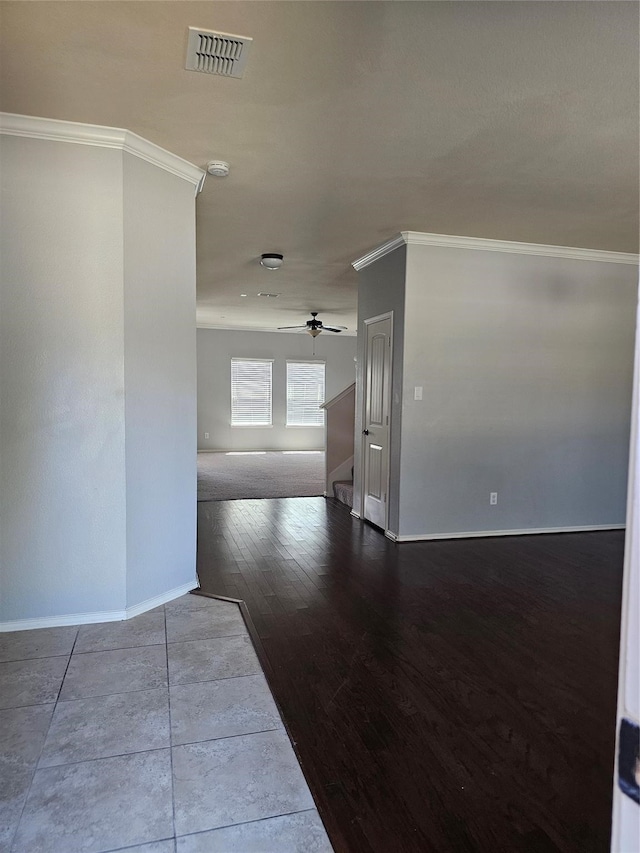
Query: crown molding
[54, 130]
[379, 252]
[417, 238]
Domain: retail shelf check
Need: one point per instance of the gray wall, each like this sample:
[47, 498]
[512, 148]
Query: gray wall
[62, 478]
[97, 308]
[216, 348]
[526, 365]
[160, 379]
[380, 290]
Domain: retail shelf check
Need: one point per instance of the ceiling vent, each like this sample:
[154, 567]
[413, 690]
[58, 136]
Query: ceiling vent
[217, 53]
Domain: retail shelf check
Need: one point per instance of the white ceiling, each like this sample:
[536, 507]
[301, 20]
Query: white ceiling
[354, 120]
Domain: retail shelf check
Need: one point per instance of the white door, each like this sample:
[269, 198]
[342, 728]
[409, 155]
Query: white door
[375, 433]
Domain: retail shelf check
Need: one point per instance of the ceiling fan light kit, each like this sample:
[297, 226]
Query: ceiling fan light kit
[271, 260]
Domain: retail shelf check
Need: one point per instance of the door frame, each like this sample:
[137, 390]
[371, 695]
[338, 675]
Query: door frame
[387, 315]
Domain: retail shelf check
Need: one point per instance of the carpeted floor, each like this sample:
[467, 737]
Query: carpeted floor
[235, 476]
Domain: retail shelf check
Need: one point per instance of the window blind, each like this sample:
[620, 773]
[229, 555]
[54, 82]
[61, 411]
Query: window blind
[305, 393]
[250, 392]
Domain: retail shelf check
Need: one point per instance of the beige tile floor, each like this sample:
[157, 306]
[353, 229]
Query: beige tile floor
[155, 735]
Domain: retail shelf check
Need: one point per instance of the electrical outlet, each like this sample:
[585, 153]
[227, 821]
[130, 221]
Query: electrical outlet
[493, 498]
[417, 392]
[206, 435]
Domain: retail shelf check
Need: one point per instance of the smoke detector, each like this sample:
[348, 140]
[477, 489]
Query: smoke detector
[218, 168]
[217, 53]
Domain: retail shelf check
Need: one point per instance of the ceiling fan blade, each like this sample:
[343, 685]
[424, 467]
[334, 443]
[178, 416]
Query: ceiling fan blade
[333, 328]
[281, 328]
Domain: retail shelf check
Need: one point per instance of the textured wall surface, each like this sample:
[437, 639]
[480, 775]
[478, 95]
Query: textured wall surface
[61, 380]
[160, 380]
[526, 365]
[97, 381]
[216, 348]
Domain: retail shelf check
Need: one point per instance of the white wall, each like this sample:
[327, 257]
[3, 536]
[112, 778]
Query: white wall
[625, 836]
[62, 477]
[160, 379]
[216, 348]
[97, 307]
[526, 365]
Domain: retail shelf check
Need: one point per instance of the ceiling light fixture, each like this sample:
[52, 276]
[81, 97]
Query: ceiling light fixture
[271, 260]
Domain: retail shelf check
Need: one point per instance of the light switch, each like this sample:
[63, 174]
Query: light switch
[417, 392]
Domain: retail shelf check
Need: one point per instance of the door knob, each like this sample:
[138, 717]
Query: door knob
[365, 432]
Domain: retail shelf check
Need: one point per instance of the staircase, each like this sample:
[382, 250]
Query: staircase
[343, 492]
[339, 445]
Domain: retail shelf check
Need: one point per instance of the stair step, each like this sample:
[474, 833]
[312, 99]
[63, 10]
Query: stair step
[343, 491]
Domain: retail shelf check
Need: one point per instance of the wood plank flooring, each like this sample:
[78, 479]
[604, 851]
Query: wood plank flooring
[442, 696]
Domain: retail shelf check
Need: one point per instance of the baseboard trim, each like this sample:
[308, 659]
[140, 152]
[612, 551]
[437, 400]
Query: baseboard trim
[477, 534]
[157, 600]
[100, 616]
[391, 535]
[59, 621]
[355, 514]
[263, 449]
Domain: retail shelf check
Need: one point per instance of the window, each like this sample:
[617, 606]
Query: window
[305, 393]
[250, 392]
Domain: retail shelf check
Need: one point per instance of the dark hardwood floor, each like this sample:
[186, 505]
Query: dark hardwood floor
[442, 696]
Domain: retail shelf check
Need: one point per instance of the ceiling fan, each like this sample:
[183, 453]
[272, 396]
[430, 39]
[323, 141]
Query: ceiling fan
[314, 327]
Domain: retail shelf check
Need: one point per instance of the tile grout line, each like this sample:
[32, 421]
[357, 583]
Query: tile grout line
[244, 823]
[207, 680]
[144, 689]
[278, 728]
[44, 740]
[135, 846]
[171, 777]
[104, 758]
[38, 657]
[157, 748]
[200, 639]
[118, 648]
[137, 690]
[120, 693]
